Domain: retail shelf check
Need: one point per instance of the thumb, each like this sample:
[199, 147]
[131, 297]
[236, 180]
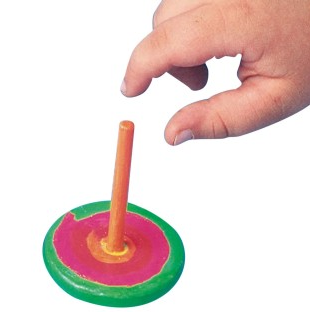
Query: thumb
[232, 113]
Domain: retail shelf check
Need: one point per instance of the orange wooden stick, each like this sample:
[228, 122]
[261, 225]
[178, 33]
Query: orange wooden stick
[115, 239]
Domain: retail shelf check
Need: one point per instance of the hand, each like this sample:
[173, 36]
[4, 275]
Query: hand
[273, 38]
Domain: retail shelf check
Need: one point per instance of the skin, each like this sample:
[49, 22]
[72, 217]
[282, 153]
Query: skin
[273, 39]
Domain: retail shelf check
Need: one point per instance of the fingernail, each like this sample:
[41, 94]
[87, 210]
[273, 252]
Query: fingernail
[123, 87]
[183, 136]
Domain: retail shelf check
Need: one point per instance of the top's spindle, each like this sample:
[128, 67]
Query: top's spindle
[115, 239]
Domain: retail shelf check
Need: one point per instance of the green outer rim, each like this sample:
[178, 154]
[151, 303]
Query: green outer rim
[116, 296]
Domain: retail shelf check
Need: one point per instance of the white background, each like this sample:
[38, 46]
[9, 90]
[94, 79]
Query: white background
[241, 205]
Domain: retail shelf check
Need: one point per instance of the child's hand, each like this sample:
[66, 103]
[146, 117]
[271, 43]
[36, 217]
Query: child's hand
[273, 37]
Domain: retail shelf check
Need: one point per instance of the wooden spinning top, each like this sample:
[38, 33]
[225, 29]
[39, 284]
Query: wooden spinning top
[114, 253]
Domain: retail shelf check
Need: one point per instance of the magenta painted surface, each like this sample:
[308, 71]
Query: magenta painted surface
[152, 249]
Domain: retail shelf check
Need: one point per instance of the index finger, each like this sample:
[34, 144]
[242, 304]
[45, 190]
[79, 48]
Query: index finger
[186, 40]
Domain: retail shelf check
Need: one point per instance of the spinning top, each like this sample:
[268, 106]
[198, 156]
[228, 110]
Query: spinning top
[114, 253]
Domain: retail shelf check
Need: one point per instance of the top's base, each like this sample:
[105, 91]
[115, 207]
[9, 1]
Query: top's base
[78, 267]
